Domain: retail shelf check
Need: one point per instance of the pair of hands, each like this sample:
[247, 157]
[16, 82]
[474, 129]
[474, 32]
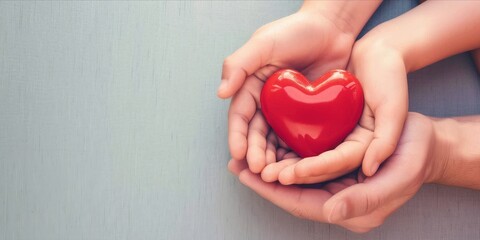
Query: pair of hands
[427, 150]
[313, 44]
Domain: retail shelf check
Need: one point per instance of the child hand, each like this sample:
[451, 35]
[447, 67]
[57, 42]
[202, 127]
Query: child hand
[381, 70]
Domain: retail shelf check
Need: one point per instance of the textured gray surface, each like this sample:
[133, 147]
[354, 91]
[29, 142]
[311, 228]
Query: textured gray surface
[110, 128]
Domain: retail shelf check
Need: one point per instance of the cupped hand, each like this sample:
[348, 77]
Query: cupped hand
[305, 41]
[381, 71]
[360, 203]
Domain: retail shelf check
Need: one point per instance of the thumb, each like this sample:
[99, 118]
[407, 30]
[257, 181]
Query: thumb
[357, 200]
[389, 121]
[363, 198]
[243, 63]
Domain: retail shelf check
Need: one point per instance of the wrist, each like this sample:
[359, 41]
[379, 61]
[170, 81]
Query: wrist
[458, 159]
[348, 16]
[445, 137]
[369, 55]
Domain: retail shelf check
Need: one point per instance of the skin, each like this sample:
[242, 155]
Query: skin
[318, 38]
[431, 150]
[382, 58]
[443, 151]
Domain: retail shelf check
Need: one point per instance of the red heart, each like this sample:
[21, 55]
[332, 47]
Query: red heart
[312, 117]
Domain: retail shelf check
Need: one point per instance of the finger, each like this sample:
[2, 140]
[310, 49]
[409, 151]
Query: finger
[257, 143]
[373, 220]
[344, 158]
[363, 198]
[287, 176]
[242, 109]
[281, 153]
[272, 143]
[242, 63]
[302, 203]
[290, 154]
[270, 173]
[389, 121]
[235, 167]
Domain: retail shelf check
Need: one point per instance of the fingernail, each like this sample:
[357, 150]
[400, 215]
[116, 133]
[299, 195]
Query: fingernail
[338, 213]
[223, 85]
[374, 169]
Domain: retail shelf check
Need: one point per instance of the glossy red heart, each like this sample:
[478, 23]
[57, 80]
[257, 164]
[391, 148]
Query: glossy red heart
[312, 117]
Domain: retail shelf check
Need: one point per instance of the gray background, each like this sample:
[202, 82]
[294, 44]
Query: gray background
[110, 127]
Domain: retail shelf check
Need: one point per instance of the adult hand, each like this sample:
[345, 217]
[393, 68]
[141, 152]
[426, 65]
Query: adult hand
[362, 203]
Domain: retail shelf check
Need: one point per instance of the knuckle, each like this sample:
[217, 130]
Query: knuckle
[340, 154]
[240, 116]
[228, 62]
[298, 212]
[371, 202]
[257, 132]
